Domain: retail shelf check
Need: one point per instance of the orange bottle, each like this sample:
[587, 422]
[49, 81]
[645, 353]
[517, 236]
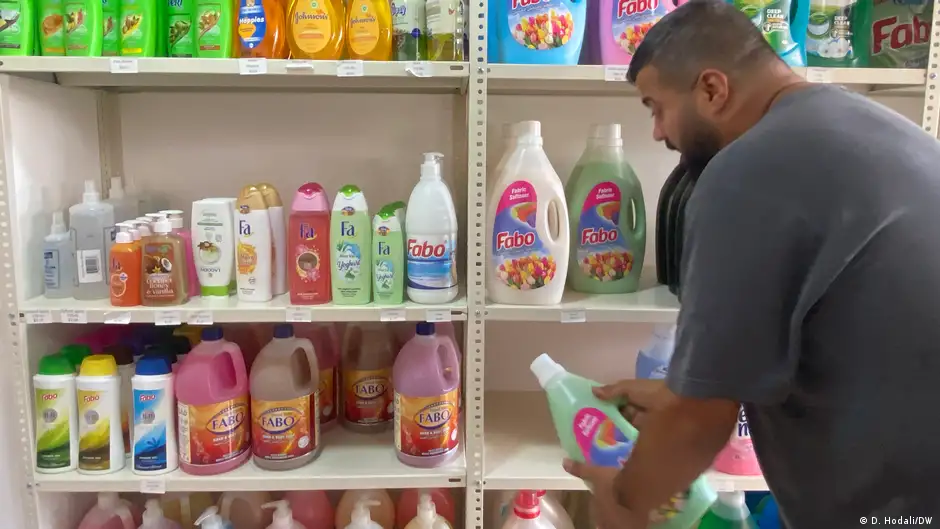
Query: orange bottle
[125, 271]
[316, 29]
[262, 29]
[369, 30]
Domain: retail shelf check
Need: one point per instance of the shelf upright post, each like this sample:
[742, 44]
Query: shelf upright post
[931, 119]
[110, 145]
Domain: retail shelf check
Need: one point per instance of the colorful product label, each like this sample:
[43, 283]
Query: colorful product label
[132, 24]
[327, 394]
[110, 38]
[602, 251]
[158, 281]
[772, 19]
[540, 24]
[603, 444]
[213, 433]
[408, 28]
[384, 274]
[152, 409]
[53, 438]
[311, 25]
[180, 33]
[77, 32]
[208, 257]
[51, 269]
[252, 23]
[900, 33]
[308, 264]
[363, 27]
[52, 28]
[426, 426]
[94, 429]
[368, 396]
[348, 260]
[521, 261]
[209, 36]
[632, 19]
[282, 430]
[10, 27]
[829, 33]
[118, 278]
[432, 262]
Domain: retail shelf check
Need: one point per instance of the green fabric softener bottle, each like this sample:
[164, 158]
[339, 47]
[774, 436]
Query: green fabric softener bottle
[593, 431]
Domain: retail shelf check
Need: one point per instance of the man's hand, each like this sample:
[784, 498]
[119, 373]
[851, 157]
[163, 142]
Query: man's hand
[608, 513]
[637, 397]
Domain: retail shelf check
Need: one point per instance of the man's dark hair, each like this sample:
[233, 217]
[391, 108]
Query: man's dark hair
[698, 35]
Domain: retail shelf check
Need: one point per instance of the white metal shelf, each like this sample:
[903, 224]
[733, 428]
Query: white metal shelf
[651, 305]
[349, 461]
[230, 309]
[522, 450]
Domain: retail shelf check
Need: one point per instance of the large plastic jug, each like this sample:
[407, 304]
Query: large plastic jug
[783, 25]
[738, 456]
[153, 517]
[284, 419]
[426, 379]
[312, 508]
[729, 512]
[381, 507]
[111, 512]
[245, 509]
[540, 32]
[407, 508]
[608, 217]
[367, 380]
[527, 226]
[245, 337]
[212, 396]
[550, 506]
[328, 345]
[654, 357]
[427, 516]
[308, 246]
[624, 23]
[527, 513]
[185, 507]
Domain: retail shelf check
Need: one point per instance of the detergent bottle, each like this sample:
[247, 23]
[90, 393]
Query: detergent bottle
[426, 378]
[308, 244]
[213, 415]
[608, 217]
[327, 344]
[210, 519]
[388, 258]
[431, 224]
[358, 508]
[738, 456]
[623, 25]
[312, 508]
[153, 517]
[245, 509]
[254, 247]
[272, 201]
[368, 402]
[526, 513]
[527, 226]
[409, 499]
[609, 438]
[729, 512]
[56, 415]
[837, 33]
[654, 357]
[101, 438]
[501, 504]
[544, 32]
[261, 29]
[427, 517]
[782, 23]
[154, 449]
[111, 512]
[316, 31]
[899, 32]
[369, 30]
[283, 517]
[351, 242]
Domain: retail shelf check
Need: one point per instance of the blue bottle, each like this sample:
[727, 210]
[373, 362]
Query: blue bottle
[539, 31]
[653, 360]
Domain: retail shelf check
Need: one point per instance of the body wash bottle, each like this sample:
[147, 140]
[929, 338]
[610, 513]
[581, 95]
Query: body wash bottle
[213, 246]
[138, 28]
[254, 257]
[272, 200]
[351, 238]
[176, 224]
[164, 268]
[388, 258]
[83, 28]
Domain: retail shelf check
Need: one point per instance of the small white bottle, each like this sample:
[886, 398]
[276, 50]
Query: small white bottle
[58, 260]
[101, 438]
[283, 517]
[361, 516]
[125, 207]
[427, 517]
[431, 227]
[92, 228]
[154, 450]
[56, 416]
[153, 517]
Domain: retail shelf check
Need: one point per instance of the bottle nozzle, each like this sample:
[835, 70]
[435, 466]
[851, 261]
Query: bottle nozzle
[90, 196]
[117, 188]
[283, 517]
[58, 223]
[362, 514]
[427, 511]
[431, 168]
[210, 519]
[153, 514]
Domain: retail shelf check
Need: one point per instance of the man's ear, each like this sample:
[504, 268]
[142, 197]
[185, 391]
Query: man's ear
[714, 91]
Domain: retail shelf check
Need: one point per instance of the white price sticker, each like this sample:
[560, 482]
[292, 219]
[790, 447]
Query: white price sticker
[573, 316]
[200, 317]
[392, 315]
[74, 316]
[615, 74]
[299, 66]
[153, 486]
[39, 316]
[298, 315]
[349, 69]
[117, 318]
[819, 75]
[438, 315]
[252, 66]
[419, 68]
[167, 317]
[123, 65]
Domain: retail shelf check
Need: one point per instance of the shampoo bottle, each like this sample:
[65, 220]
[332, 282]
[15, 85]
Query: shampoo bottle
[388, 259]
[56, 416]
[139, 28]
[283, 517]
[351, 239]
[180, 28]
[213, 246]
[176, 225]
[154, 440]
[272, 200]
[216, 29]
[84, 27]
[153, 517]
[92, 225]
[316, 31]
[58, 261]
[51, 30]
[101, 442]
[369, 30]
[164, 268]
[254, 255]
[308, 245]
[261, 29]
[17, 36]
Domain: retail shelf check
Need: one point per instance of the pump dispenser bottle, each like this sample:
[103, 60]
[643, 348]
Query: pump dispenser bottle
[154, 519]
[93, 231]
[210, 519]
[431, 230]
[58, 261]
[283, 517]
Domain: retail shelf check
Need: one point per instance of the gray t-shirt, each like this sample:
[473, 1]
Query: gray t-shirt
[811, 294]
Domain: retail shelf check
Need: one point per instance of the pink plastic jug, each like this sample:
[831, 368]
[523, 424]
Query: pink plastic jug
[738, 456]
[623, 25]
[407, 507]
[311, 508]
[426, 379]
[111, 512]
[327, 344]
[246, 336]
[212, 394]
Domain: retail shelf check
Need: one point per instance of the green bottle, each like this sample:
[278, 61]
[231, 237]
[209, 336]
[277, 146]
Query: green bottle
[388, 257]
[84, 25]
[111, 36]
[17, 27]
[409, 31]
[181, 33]
[594, 431]
[729, 512]
[139, 22]
[51, 28]
[838, 33]
[75, 353]
[56, 415]
[351, 241]
[215, 23]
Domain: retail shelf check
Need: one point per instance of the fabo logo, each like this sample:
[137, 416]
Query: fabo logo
[434, 416]
[516, 4]
[227, 420]
[598, 236]
[279, 420]
[632, 7]
[885, 31]
[91, 398]
[505, 241]
[370, 387]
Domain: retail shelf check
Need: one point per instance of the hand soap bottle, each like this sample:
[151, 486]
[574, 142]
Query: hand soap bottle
[164, 268]
[283, 517]
[210, 519]
[58, 260]
[92, 222]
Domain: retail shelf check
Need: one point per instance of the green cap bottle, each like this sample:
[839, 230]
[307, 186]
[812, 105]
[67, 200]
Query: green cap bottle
[75, 353]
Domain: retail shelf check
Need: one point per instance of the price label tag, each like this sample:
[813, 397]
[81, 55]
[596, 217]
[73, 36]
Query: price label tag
[200, 317]
[616, 74]
[819, 75]
[39, 316]
[252, 66]
[298, 315]
[573, 316]
[299, 66]
[153, 486]
[117, 318]
[123, 65]
[392, 315]
[167, 317]
[419, 68]
[74, 316]
[349, 69]
[438, 315]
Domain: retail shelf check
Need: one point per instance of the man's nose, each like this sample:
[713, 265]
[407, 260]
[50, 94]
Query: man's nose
[658, 133]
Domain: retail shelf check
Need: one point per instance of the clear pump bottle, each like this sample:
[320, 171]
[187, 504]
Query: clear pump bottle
[92, 226]
[58, 260]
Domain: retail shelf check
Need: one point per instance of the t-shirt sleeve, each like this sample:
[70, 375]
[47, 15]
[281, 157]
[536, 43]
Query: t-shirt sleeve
[743, 265]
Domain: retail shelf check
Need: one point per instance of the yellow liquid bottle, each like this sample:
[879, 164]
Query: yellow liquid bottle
[316, 29]
[369, 30]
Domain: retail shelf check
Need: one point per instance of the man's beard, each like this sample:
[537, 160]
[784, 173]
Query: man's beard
[700, 143]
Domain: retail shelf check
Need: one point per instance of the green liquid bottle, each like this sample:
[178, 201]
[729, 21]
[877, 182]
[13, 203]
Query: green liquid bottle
[410, 32]
[17, 27]
[388, 258]
[84, 24]
[351, 239]
[593, 431]
[181, 30]
[215, 22]
[139, 28]
[111, 31]
[51, 28]
[729, 512]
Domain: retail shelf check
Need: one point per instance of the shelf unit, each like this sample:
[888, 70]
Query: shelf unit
[63, 120]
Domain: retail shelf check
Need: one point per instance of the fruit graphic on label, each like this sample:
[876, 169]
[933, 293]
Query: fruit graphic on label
[609, 211]
[52, 24]
[131, 23]
[74, 20]
[209, 252]
[247, 258]
[525, 212]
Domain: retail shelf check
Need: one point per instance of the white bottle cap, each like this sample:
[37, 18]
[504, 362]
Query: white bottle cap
[135, 233]
[90, 196]
[174, 215]
[427, 511]
[545, 369]
[283, 517]
[431, 168]
[124, 226]
[144, 228]
[123, 237]
[607, 131]
[58, 223]
[529, 132]
[154, 217]
[153, 515]
[144, 219]
[162, 227]
[210, 519]
[734, 498]
[117, 188]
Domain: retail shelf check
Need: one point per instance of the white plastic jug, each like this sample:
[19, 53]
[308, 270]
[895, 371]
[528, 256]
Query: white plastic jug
[154, 519]
[111, 512]
[283, 517]
[427, 517]
[526, 513]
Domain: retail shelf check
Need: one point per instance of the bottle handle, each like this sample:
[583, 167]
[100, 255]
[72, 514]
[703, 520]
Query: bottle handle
[638, 209]
[305, 345]
[127, 519]
[447, 358]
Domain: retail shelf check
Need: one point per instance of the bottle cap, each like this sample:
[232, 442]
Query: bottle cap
[283, 330]
[176, 218]
[211, 334]
[425, 329]
[529, 131]
[98, 366]
[75, 353]
[58, 223]
[545, 369]
[153, 218]
[427, 511]
[283, 517]
[210, 519]
[161, 350]
[117, 188]
[527, 505]
[270, 195]
[123, 237]
[146, 219]
[181, 344]
[135, 234]
[90, 196]
[162, 227]
[732, 499]
[153, 365]
[143, 227]
[362, 514]
[431, 168]
[55, 364]
[311, 197]
[123, 354]
[606, 131]
[349, 190]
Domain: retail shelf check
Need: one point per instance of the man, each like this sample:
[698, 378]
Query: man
[810, 287]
